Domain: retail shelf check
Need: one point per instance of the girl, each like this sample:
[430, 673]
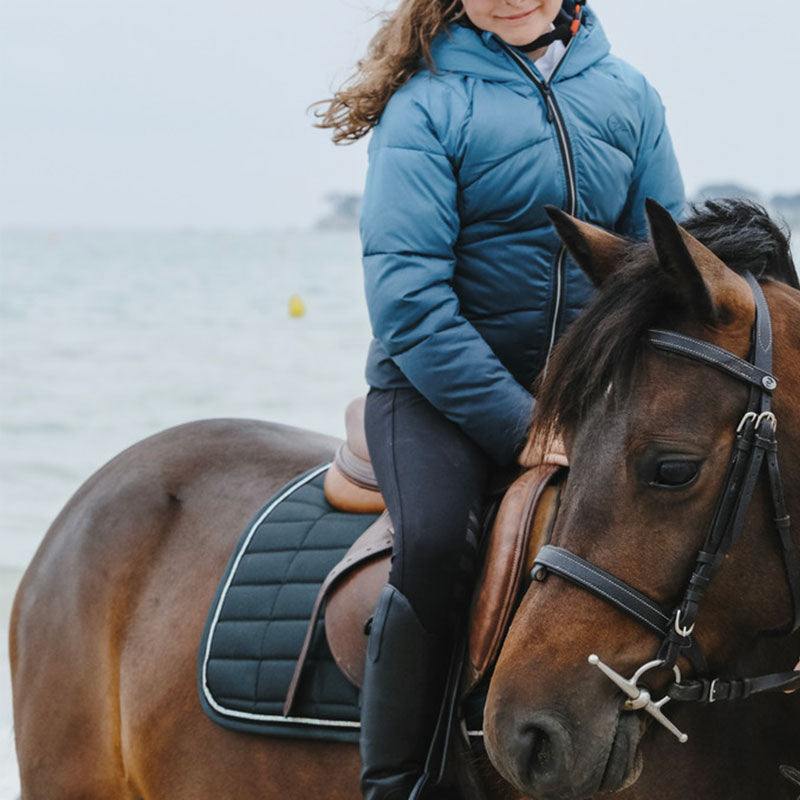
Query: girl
[483, 112]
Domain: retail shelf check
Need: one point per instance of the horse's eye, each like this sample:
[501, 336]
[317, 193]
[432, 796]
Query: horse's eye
[673, 474]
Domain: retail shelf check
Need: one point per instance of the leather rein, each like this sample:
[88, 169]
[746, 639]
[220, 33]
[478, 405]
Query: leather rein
[755, 445]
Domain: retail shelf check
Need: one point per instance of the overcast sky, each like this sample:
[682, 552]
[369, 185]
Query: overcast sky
[193, 112]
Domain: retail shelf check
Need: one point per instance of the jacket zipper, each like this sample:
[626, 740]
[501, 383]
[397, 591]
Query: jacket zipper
[554, 116]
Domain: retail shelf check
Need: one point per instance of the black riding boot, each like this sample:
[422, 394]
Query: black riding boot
[403, 683]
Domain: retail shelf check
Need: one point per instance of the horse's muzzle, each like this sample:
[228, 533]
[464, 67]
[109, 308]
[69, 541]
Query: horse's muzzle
[539, 754]
[534, 752]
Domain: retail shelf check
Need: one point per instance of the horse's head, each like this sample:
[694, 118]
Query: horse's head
[649, 436]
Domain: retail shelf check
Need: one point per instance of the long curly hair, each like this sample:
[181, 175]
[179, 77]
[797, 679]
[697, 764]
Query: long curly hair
[395, 53]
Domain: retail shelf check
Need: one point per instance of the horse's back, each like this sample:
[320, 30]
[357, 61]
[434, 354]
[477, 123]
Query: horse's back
[107, 620]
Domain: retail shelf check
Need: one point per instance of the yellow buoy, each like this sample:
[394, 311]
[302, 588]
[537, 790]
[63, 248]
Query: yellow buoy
[297, 308]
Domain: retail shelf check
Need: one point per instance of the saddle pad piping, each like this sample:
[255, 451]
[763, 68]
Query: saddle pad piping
[217, 611]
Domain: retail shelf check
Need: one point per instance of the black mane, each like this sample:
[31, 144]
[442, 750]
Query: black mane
[600, 348]
[743, 236]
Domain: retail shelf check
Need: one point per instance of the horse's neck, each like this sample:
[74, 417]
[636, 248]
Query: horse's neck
[768, 654]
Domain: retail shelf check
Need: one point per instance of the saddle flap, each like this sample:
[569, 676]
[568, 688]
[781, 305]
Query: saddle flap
[349, 594]
[350, 606]
[524, 519]
[526, 515]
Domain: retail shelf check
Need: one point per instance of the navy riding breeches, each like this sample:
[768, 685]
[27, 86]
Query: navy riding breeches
[433, 478]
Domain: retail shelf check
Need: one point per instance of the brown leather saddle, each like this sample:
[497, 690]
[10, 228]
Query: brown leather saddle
[350, 483]
[350, 592]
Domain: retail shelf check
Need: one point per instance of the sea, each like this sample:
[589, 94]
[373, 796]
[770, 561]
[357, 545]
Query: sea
[109, 336]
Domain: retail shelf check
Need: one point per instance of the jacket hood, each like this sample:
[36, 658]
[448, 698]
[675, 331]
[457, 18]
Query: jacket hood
[464, 50]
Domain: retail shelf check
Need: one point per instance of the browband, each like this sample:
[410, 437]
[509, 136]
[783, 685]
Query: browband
[715, 356]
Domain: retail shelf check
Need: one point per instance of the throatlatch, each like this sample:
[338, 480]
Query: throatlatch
[756, 444]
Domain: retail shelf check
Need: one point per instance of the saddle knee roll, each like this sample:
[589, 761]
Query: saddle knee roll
[350, 483]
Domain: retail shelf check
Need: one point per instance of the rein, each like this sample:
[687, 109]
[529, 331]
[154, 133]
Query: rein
[755, 445]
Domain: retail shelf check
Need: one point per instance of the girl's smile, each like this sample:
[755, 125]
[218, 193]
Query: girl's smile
[516, 22]
[519, 16]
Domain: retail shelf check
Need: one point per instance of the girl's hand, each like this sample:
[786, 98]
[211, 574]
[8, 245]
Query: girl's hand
[536, 453]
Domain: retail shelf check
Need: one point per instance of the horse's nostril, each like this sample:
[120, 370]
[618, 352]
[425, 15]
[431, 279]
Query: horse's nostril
[542, 751]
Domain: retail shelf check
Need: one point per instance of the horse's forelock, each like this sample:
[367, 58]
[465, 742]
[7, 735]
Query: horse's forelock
[601, 347]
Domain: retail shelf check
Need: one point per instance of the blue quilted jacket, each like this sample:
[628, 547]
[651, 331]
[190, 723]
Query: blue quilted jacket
[467, 284]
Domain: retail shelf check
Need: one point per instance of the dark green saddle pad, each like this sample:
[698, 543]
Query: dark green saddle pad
[259, 617]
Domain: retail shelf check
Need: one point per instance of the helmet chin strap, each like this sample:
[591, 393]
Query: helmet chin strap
[565, 28]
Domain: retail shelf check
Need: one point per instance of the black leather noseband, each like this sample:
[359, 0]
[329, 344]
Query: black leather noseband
[755, 445]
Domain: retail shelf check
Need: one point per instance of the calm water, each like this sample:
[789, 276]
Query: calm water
[109, 337]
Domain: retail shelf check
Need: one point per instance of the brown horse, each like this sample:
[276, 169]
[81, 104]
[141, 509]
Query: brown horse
[108, 617]
[649, 436]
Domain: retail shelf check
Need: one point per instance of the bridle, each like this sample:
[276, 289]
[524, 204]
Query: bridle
[755, 445]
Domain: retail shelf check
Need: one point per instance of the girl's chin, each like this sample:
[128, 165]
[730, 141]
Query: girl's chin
[518, 38]
[516, 35]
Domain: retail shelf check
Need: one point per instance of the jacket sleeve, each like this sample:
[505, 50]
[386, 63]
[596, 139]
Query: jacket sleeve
[655, 173]
[409, 227]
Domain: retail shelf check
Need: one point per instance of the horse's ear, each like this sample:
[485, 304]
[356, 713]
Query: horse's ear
[596, 251]
[710, 289]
